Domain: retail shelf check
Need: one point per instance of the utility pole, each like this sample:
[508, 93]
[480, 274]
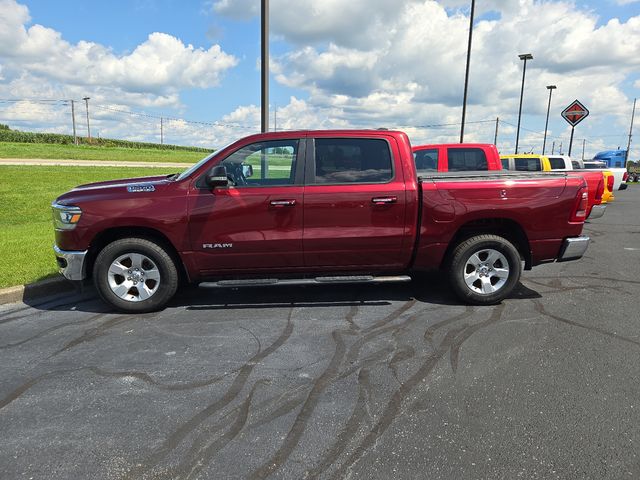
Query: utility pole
[584, 140]
[633, 114]
[553, 147]
[560, 148]
[86, 102]
[466, 75]
[161, 131]
[495, 137]
[265, 66]
[73, 120]
[275, 118]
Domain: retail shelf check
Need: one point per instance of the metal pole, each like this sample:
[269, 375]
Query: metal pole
[275, 118]
[553, 147]
[633, 114]
[560, 149]
[161, 131]
[495, 137]
[546, 125]
[86, 102]
[525, 57]
[73, 120]
[466, 75]
[265, 66]
[584, 140]
[571, 141]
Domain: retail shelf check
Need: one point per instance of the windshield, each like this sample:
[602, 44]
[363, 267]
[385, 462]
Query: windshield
[196, 166]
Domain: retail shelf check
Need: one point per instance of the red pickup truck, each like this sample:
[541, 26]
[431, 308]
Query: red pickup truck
[315, 206]
[465, 157]
[456, 157]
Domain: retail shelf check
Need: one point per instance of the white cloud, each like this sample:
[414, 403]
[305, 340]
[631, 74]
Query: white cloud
[159, 67]
[411, 72]
[237, 9]
[363, 63]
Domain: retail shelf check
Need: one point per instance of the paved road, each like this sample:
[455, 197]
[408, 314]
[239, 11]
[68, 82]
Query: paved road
[338, 382]
[88, 163]
[105, 163]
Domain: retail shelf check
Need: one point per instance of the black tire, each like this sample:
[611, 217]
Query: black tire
[491, 253]
[148, 294]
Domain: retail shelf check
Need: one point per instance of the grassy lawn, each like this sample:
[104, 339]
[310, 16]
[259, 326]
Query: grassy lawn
[26, 232]
[85, 152]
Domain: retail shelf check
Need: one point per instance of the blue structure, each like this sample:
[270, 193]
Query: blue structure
[613, 158]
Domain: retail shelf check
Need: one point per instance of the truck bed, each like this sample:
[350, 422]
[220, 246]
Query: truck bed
[506, 202]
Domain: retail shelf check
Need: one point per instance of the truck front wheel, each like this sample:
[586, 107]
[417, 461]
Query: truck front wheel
[135, 275]
[484, 269]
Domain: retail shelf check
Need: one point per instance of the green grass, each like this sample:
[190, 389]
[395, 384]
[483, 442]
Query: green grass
[84, 152]
[26, 230]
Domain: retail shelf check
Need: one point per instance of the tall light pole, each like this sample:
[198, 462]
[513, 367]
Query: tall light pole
[466, 75]
[264, 106]
[525, 57]
[633, 114]
[86, 103]
[546, 125]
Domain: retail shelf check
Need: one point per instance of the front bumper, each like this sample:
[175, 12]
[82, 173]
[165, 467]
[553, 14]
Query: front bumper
[71, 263]
[573, 248]
[597, 211]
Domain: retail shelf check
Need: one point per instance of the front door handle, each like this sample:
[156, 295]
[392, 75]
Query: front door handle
[283, 203]
[384, 200]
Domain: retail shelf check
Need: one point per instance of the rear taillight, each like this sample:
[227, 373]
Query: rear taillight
[600, 191]
[625, 176]
[610, 180]
[579, 213]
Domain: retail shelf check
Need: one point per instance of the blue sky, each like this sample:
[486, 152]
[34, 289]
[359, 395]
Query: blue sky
[366, 63]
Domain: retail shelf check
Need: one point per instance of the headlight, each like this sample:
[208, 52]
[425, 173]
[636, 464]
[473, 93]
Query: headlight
[65, 217]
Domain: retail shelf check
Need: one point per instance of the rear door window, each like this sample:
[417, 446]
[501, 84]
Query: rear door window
[556, 163]
[505, 163]
[426, 160]
[352, 160]
[527, 164]
[466, 159]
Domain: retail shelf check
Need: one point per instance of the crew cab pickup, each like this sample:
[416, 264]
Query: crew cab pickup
[456, 157]
[320, 207]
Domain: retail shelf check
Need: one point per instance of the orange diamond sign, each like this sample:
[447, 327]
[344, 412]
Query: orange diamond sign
[575, 113]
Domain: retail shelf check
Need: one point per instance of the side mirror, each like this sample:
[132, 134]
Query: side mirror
[247, 171]
[217, 177]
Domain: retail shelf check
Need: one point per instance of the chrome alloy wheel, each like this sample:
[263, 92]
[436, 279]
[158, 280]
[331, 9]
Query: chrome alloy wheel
[486, 271]
[134, 277]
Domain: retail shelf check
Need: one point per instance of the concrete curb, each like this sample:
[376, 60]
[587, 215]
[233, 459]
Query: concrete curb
[32, 291]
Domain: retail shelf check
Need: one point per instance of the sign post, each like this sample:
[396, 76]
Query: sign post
[574, 114]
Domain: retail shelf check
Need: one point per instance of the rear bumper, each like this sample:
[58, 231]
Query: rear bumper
[597, 211]
[71, 263]
[573, 248]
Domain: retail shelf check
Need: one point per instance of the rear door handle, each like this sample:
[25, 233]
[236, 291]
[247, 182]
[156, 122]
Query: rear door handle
[384, 200]
[283, 203]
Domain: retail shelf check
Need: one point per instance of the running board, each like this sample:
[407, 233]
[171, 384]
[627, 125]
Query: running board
[262, 282]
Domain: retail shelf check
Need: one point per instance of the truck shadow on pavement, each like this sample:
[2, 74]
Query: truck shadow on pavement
[425, 288]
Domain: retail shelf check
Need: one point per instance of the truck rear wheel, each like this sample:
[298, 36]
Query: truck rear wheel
[135, 275]
[484, 269]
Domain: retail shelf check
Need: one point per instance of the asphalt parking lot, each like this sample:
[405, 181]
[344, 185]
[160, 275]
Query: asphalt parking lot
[358, 382]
